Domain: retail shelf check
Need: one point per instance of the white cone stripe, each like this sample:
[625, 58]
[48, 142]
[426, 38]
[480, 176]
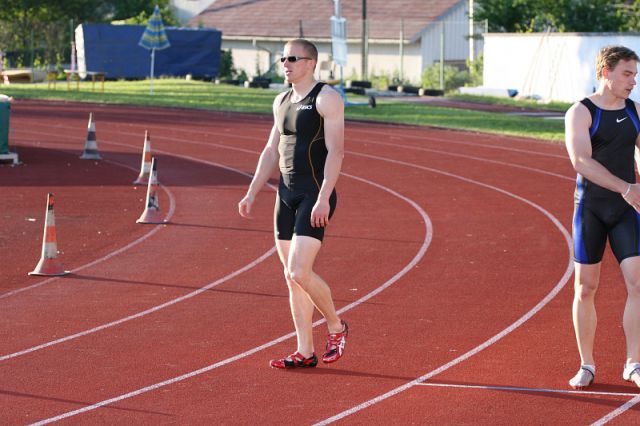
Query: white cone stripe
[50, 220]
[50, 250]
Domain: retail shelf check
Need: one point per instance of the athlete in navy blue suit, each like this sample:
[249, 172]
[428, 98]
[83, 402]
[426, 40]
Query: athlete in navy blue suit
[601, 134]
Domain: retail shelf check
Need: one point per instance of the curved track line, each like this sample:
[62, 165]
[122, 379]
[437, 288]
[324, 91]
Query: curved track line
[474, 144]
[420, 138]
[172, 205]
[469, 157]
[417, 148]
[423, 248]
[148, 311]
[615, 413]
[470, 353]
[157, 307]
[550, 296]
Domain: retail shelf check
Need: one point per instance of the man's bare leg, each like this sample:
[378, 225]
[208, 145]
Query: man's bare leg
[631, 319]
[302, 255]
[585, 320]
[300, 304]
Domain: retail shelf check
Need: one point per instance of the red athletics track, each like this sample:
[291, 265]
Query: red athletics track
[449, 255]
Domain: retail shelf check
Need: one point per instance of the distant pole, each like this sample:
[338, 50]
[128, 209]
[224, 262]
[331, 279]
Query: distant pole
[442, 57]
[33, 49]
[401, 49]
[300, 31]
[153, 59]
[472, 40]
[365, 41]
[73, 46]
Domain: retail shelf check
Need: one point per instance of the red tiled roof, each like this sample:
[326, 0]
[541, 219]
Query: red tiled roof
[281, 18]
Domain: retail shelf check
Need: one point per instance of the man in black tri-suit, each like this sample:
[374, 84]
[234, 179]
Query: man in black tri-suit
[307, 143]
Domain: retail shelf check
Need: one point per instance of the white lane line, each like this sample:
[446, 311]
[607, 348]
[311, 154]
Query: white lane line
[155, 229]
[615, 413]
[285, 337]
[469, 157]
[151, 310]
[395, 145]
[172, 154]
[550, 296]
[154, 308]
[517, 389]
[473, 144]
[348, 137]
[117, 322]
[423, 249]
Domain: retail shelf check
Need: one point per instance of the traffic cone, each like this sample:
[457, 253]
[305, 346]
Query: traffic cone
[91, 146]
[151, 213]
[49, 263]
[145, 167]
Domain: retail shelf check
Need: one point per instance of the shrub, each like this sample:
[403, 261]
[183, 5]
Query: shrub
[453, 77]
[475, 71]
[226, 64]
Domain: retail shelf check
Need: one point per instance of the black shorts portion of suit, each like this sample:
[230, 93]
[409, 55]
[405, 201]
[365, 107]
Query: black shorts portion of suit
[614, 220]
[293, 211]
[600, 214]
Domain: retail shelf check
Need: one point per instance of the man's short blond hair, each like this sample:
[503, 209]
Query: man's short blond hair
[609, 56]
[309, 48]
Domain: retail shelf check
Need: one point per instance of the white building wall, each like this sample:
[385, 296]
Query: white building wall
[455, 28]
[555, 67]
[383, 58]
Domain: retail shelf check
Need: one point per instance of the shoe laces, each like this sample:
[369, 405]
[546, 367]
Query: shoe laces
[334, 340]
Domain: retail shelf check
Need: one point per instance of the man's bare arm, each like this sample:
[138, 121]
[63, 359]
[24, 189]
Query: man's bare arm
[266, 165]
[578, 142]
[331, 108]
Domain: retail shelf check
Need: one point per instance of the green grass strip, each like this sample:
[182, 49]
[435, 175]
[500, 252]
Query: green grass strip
[205, 95]
[520, 103]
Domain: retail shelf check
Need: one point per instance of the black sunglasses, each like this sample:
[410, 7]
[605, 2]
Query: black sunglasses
[292, 58]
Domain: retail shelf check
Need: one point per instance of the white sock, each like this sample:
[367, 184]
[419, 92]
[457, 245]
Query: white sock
[589, 367]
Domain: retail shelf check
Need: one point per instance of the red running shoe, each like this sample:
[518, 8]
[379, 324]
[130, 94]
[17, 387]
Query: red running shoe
[295, 360]
[335, 344]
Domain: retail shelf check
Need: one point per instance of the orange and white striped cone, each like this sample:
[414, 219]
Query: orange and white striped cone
[91, 145]
[151, 213]
[49, 263]
[145, 167]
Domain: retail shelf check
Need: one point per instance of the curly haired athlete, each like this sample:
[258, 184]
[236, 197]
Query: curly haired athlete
[602, 131]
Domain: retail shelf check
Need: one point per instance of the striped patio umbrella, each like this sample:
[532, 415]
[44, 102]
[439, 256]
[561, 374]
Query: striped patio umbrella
[154, 38]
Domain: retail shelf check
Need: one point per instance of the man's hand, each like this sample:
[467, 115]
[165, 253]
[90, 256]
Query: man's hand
[633, 196]
[244, 206]
[320, 214]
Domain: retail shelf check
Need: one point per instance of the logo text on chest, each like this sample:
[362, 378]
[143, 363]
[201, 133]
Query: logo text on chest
[304, 107]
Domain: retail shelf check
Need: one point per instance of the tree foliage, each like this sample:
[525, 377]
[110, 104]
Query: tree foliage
[39, 32]
[554, 15]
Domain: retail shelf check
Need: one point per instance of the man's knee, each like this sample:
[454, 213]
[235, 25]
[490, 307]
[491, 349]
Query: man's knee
[300, 276]
[585, 288]
[633, 288]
